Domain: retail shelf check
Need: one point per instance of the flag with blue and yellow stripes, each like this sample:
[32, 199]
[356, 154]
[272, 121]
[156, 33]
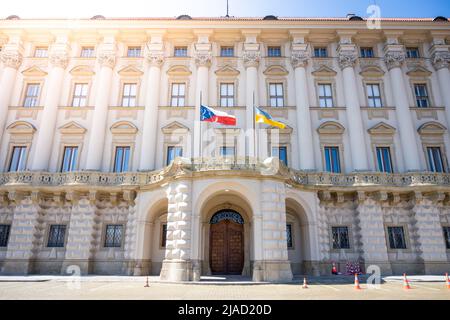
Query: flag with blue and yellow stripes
[263, 117]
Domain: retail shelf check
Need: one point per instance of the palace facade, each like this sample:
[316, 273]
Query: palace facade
[104, 166]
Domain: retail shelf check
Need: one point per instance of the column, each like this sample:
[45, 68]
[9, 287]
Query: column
[177, 265]
[203, 57]
[81, 232]
[155, 58]
[11, 56]
[274, 266]
[347, 59]
[23, 233]
[106, 59]
[299, 59]
[440, 58]
[371, 223]
[251, 63]
[131, 266]
[58, 59]
[394, 57]
[429, 229]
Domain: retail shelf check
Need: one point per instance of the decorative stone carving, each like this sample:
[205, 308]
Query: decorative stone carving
[11, 59]
[203, 59]
[347, 58]
[251, 58]
[440, 59]
[59, 59]
[299, 58]
[107, 59]
[155, 59]
[394, 59]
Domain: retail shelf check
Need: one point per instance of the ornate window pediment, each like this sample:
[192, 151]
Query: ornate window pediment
[324, 71]
[130, 71]
[276, 70]
[286, 130]
[21, 127]
[72, 128]
[227, 71]
[382, 128]
[331, 127]
[372, 72]
[34, 71]
[85, 71]
[124, 127]
[174, 127]
[419, 71]
[179, 70]
[432, 128]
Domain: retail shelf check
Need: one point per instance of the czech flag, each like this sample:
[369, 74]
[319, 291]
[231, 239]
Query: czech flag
[263, 117]
[210, 115]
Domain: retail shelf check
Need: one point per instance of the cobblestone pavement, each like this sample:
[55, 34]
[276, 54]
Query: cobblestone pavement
[134, 289]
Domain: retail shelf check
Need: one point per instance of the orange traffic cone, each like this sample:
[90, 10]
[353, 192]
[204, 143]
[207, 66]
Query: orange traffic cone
[357, 287]
[333, 269]
[406, 285]
[305, 285]
[447, 281]
[146, 283]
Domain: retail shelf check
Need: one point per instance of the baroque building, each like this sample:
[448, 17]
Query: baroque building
[105, 166]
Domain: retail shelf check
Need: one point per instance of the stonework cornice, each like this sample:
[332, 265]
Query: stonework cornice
[11, 59]
[251, 58]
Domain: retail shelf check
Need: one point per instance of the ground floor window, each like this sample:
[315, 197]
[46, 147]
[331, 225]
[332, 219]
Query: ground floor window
[396, 237]
[56, 236]
[340, 238]
[4, 234]
[290, 243]
[163, 235]
[447, 237]
[113, 236]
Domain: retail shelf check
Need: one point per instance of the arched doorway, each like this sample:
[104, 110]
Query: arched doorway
[226, 242]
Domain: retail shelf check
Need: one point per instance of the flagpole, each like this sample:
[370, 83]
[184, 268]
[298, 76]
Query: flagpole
[201, 133]
[255, 139]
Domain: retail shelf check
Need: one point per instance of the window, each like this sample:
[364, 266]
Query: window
[134, 52]
[446, 236]
[69, 159]
[87, 52]
[226, 51]
[325, 95]
[113, 236]
[227, 94]
[18, 159]
[367, 53]
[80, 93]
[121, 159]
[421, 92]
[41, 52]
[178, 95]
[4, 234]
[340, 238]
[226, 151]
[321, 52]
[129, 95]
[374, 95]
[276, 95]
[384, 159]
[180, 52]
[332, 162]
[172, 153]
[412, 53]
[56, 236]
[396, 238]
[163, 235]
[435, 161]
[280, 153]
[31, 95]
[274, 51]
[290, 243]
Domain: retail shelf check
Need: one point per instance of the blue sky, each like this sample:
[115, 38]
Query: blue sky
[238, 8]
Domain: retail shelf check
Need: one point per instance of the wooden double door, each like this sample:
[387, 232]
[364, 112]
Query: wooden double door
[226, 247]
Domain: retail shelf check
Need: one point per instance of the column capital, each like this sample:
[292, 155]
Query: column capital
[107, 58]
[347, 55]
[11, 59]
[203, 58]
[251, 58]
[440, 56]
[394, 55]
[299, 55]
[155, 58]
[59, 59]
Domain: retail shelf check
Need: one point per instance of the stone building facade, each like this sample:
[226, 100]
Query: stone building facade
[104, 166]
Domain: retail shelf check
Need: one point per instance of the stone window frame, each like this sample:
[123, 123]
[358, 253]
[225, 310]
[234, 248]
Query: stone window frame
[6, 223]
[225, 44]
[351, 247]
[40, 46]
[380, 83]
[409, 248]
[228, 79]
[62, 147]
[285, 138]
[87, 45]
[32, 80]
[161, 220]
[47, 235]
[422, 80]
[383, 138]
[276, 80]
[445, 225]
[123, 137]
[103, 237]
[367, 46]
[333, 137]
[435, 139]
[227, 137]
[133, 45]
[161, 234]
[181, 133]
[279, 44]
[321, 45]
[176, 80]
[19, 138]
[129, 80]
[79, 80]
[325, 80]
[276, 74]
[291, 219]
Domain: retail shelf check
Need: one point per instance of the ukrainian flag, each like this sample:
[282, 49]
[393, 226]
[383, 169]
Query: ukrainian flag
[263, 117]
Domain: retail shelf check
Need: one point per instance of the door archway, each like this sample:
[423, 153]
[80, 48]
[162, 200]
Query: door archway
[226, 242]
